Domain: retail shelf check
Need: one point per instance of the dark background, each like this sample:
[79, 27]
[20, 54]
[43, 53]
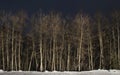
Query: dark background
[64, 6]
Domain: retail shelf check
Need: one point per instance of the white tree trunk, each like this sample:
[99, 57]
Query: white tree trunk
[68, 59]
[41, 56]
[3, 57]
[15, 53]
[32, 55]
[7, 47]
[12, 60]
[19, 53]
[101, 47]
[62, 48]
[80, 49]
[53, 60]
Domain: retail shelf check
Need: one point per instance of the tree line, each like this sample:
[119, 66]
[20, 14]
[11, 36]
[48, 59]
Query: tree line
[51, 41]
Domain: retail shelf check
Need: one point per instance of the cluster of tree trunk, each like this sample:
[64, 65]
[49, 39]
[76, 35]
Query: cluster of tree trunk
[49, 41]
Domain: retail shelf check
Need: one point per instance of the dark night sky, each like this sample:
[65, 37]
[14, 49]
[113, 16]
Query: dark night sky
[64, 6]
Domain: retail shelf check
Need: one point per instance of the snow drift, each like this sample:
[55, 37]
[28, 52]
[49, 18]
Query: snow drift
[93, 72]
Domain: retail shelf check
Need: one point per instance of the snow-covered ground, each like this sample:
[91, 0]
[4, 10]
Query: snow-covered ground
[93, 72]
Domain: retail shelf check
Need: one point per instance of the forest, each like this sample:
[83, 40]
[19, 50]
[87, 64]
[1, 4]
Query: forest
[54, 42]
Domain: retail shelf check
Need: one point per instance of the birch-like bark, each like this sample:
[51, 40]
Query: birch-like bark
[32, 55]
[41, 55]
[53, 59]
[80, 49]
[62, 48]
[68, 58]
[110, 47]
[3, 57]
[114, 47]
[19, 52]
[7, 48]
[12, 60]
[15, 54]
[101, 46]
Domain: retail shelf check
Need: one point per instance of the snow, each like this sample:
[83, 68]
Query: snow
[20, 70]
[1, 70]
[92, 72]
[46, 71]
